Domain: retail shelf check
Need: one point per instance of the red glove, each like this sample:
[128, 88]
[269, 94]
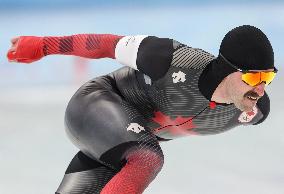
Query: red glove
[26, 49]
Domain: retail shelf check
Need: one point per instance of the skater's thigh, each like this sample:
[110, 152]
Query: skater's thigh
[104, 126]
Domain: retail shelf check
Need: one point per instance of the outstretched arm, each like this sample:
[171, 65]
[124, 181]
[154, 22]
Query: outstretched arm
[27, 49]
[148, 54]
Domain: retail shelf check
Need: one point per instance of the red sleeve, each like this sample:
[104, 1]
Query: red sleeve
[94, 46]
[84, 45]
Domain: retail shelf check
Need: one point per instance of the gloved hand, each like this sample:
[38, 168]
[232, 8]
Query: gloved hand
[26, 49]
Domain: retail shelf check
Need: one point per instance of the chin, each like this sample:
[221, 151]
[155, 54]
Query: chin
[248, 109]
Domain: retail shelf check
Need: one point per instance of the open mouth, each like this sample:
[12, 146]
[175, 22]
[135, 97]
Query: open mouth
[252, 98]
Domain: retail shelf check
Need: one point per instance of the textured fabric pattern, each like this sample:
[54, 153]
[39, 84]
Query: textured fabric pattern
[190, 58]
[141, 168]
[85, 175]
[84, 45]
[86, 182]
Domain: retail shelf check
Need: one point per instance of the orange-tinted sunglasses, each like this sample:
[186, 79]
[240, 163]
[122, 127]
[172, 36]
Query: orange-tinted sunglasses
[254, 78]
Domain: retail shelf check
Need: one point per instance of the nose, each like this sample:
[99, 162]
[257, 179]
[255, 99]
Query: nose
[259, 89]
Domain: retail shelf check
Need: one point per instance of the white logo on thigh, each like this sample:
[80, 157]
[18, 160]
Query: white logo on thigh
[135, 127]
[178, 77]
[246, 117]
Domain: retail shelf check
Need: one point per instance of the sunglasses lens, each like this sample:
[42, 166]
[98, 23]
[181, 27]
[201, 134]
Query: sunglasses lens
[255, 78]
[251, 79]
[267, 77]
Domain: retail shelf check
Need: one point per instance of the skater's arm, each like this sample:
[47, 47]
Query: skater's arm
[27, 49]
[148, 54]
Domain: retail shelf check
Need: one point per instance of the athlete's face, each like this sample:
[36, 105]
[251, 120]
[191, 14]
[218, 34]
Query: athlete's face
[241, 94]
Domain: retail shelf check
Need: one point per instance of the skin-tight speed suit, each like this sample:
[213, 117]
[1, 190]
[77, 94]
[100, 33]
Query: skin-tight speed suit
[117, 120]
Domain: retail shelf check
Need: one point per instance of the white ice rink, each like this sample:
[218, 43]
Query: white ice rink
[34, 150]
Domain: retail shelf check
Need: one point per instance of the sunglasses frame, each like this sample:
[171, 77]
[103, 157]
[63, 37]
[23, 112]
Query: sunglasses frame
[244, 71]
